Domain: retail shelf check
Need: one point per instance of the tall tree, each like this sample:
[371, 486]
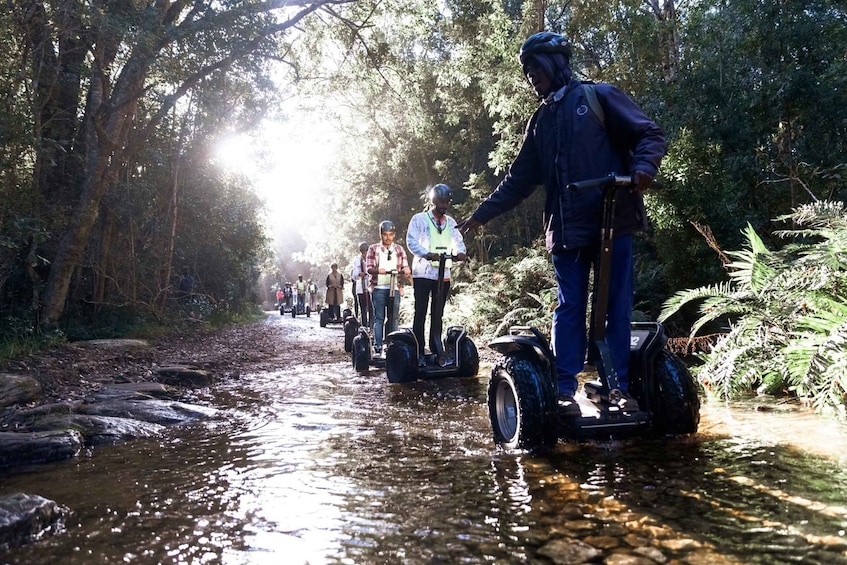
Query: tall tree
[105, 75]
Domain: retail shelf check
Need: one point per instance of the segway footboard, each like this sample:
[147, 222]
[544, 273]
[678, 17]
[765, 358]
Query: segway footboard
[462, 350]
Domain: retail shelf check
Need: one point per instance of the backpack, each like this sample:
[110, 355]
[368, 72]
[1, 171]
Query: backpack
[594, 103]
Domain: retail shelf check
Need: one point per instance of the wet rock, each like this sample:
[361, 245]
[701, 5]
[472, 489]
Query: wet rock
[627, 559]
[15, 389]
[135, 390]
[24, 518]
[602, 542]
[185, 376]
[100, 430]
[29, 448]
[164, 412]
[651, 553]
[568, 551]
[113, 343]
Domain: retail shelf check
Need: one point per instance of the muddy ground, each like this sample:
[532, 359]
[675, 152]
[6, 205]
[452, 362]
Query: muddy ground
[73, 370]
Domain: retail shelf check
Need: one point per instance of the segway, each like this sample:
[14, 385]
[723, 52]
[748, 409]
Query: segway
[300, 307]
[456, 355]
[326, 320]
[352, 324]
[362, 346]
[522, 393]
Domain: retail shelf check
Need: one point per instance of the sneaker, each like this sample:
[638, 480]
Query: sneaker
[628, 403]
[568, 406]
[377, 351]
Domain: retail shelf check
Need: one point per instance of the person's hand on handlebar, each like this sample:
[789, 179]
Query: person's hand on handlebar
[641, 181]
[461, 257]
[469, 225]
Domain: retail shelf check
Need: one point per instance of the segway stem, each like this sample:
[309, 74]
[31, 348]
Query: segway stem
[440, 300]
[605, 366]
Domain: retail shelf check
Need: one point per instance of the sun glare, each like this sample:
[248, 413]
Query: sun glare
[288, 164]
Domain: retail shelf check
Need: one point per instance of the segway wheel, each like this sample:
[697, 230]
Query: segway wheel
[282, 310]
[294, 312]
[522, 405]
[401, 362]
[308, 312]
[678, 402]
[361, 353]
[324, 317]
[351, 328]
[468, 359]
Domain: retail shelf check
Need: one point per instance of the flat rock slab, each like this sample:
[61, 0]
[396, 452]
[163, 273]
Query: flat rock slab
[114, 343]
[26, 517]
[28, 448]
[99, 429]
[164, 412]
[186, 376]
[16, 389]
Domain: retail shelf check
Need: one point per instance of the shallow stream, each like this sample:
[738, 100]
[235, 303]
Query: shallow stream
[316, 464]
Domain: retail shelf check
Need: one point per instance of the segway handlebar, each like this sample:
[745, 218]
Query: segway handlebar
[608, 180]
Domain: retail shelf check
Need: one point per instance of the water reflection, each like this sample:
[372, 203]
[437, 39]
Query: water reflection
[316, 464]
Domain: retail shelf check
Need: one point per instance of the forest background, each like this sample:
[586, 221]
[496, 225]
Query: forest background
[252, 141]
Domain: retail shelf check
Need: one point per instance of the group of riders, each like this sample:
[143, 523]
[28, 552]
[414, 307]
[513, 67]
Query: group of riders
[381, 273]
[291, 295]
[579, 131]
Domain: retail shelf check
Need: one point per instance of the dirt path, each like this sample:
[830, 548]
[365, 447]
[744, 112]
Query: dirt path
[72, 371]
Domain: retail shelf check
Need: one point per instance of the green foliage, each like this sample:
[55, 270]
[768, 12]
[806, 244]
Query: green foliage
[516, 290]
[784, 313]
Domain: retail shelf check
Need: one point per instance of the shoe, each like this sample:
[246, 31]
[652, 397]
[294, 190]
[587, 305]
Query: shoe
[377, 351]
[421, 361]
[628, 403]
[567, 405]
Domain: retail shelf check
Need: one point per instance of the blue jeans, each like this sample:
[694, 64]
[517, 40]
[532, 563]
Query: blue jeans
[380, 300]
[570, 338]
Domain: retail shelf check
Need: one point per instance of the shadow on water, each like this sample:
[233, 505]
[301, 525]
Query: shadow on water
[315, 464]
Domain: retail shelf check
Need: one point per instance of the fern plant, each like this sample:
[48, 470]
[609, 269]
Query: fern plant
[784, 314]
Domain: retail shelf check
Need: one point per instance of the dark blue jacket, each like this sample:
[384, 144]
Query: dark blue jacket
[565, 142]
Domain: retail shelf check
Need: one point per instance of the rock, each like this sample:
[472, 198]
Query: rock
[100, 430]
[567, 551]
[164, 412]
[15, 389]
[28, 448]
[113, 343]
[124, 391]
[24, 518]
[185, 376]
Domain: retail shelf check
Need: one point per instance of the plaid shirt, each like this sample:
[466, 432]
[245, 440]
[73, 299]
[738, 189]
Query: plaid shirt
[372, 259]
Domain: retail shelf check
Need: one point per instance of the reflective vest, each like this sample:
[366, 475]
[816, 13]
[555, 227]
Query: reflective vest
[301, 287]
[383, 262]
[440, 240]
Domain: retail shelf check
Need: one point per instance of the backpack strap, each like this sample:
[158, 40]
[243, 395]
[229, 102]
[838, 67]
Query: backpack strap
[594, 103]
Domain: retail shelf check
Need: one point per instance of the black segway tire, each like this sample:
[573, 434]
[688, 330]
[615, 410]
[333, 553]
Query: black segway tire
[294, 312]
[468, 359]
[401, 362]
[324, 317]
[308, 312]
[678, 402]
[522, 405]
[351, 328]
[361, 353]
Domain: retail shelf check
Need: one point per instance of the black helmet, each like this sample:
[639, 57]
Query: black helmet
[440, 191]
[544, 42]
[386, 225]
[363, 246]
